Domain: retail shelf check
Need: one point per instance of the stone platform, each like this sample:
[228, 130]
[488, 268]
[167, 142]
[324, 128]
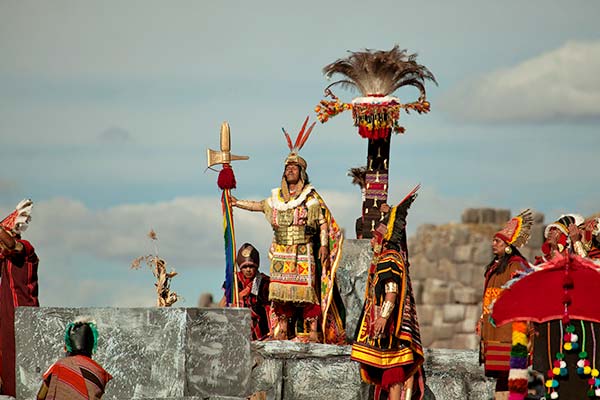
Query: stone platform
[193, 354]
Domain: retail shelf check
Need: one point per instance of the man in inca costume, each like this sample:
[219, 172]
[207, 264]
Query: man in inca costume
[387, 340]
[18, 267]
[496, 342]
[304, 254]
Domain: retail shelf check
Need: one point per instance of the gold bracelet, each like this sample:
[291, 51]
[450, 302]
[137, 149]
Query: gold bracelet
[391, 287]
[386, 309]
[323, 238]
[579, 249]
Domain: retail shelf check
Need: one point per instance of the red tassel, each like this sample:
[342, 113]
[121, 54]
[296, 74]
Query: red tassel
[226, 179]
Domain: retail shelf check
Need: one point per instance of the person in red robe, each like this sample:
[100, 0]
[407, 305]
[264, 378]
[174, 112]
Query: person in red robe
[18, 286]
[253, 289]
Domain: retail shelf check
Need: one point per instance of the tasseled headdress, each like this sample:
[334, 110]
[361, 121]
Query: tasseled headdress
[392, 228]
[516, 231]
[18, 221]
[562, 224]
[294, 158]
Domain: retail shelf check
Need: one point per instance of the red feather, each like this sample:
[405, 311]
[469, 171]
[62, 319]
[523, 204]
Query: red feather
[288, 138]
[297, 145]
[307, 134]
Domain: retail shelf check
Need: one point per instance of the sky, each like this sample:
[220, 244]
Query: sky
[107, 109]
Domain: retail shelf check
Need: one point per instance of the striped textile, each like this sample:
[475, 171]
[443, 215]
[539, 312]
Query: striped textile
[76, 378]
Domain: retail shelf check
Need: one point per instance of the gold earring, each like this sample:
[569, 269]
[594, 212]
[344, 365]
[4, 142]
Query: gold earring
[508, 249]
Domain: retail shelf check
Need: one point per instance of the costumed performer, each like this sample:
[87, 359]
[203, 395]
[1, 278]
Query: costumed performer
[304, 253]
[253, 289]
[496, 342]
[387, 341]
[18, 287]
[76, 376]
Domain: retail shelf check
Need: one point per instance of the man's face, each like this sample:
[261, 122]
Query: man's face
[498, 246]
[553, 235]
[249, 271]
[292, 173]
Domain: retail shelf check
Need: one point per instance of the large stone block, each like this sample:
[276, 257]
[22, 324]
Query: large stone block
[447, 270]
[422, 268]
[425, 313]
[151, 352]
[146, 362]
[463, 253]
[314, 371]
[454, 312]
[482, 254]
[456, 374]
[468, 341]
[464, 273]
[326, 379]
[436, 291]
[217, 352]
[352, 278]
[466, 295]
[472, 313]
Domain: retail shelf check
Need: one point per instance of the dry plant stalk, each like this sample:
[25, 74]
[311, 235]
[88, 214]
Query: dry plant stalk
[158, 266]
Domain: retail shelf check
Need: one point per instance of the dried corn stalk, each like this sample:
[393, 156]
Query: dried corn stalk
[158, 266]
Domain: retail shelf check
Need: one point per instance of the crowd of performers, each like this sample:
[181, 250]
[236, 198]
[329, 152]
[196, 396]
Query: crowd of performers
[300, 300]
[558, 352]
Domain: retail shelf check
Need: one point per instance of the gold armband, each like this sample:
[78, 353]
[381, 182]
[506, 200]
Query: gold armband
[323, 237]
[391, 287]
[386, 309]
[579, 249]
[249, 205]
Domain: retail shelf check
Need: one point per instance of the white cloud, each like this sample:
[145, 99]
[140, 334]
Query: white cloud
[562, 84]
[189, 229]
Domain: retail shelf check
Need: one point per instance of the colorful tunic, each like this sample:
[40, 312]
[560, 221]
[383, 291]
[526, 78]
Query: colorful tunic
[295, 270]
[18, 287]
[76, 378]
[497, 342]
[254, 294]
[398, 353]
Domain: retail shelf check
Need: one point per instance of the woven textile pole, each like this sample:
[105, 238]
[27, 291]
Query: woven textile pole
[226, 182]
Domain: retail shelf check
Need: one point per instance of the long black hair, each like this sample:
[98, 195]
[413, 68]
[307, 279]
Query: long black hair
[502, 261]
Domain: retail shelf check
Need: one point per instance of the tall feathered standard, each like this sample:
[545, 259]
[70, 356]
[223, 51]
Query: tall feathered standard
[380, 72]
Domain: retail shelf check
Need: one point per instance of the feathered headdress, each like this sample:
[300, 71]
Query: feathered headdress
[18, 221]
[376, 74]
[294, 158]
[392, 227]
[301, 138]
[380, 72]
[516, 231]
[359, 176]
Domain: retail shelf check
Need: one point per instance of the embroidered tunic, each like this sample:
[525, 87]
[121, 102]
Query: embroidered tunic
[295, 271]
[497, 342]
[400, 345]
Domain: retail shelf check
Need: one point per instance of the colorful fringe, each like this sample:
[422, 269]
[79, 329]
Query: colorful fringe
[231, 289]
[518, 375]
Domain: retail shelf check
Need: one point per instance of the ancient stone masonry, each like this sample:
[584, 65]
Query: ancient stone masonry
[194, 354]
[447, 263]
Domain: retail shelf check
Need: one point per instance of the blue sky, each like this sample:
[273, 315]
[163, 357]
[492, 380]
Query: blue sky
[107, 108]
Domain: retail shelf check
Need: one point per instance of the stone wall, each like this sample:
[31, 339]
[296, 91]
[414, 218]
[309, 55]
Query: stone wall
[447, 263]
[207, 354]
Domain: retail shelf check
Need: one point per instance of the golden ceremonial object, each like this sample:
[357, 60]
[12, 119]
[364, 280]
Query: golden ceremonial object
[224, 156]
